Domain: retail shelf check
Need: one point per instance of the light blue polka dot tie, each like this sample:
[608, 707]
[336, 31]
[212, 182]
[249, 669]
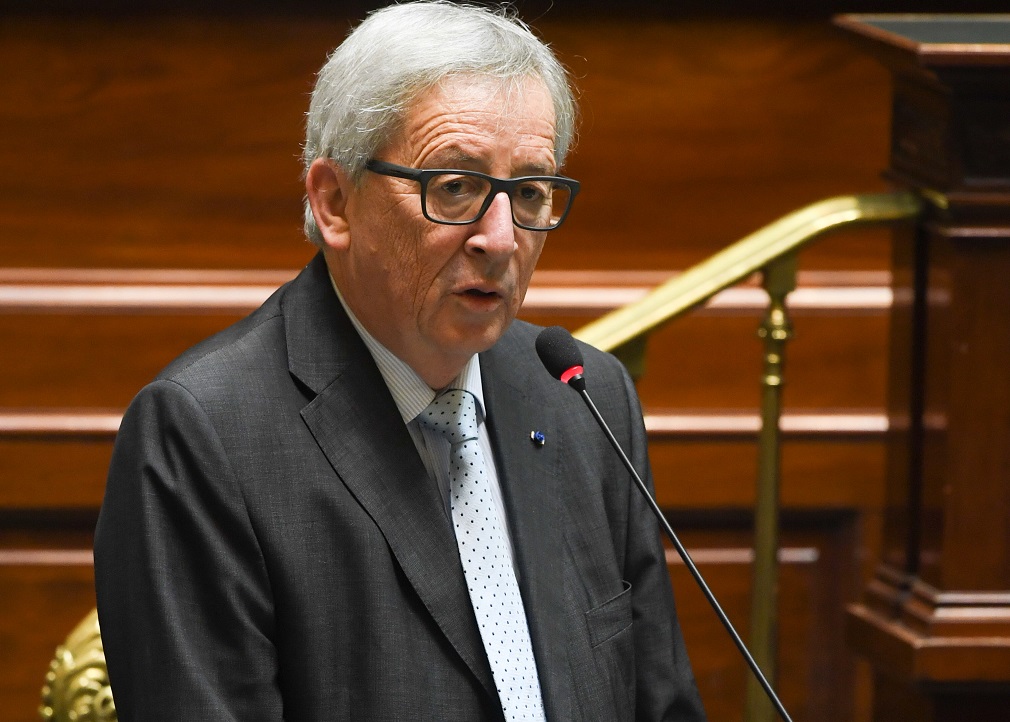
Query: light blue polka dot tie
[487, 565]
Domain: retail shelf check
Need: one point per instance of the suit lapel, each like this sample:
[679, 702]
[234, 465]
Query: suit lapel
[352, 415]
[530, 477]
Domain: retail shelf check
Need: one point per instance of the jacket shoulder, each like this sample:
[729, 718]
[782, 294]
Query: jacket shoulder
[263, 329]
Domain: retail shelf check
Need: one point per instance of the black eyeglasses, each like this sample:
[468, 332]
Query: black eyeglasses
[459, 197]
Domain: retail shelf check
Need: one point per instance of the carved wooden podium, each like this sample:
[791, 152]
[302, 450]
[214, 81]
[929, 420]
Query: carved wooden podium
[935, 621]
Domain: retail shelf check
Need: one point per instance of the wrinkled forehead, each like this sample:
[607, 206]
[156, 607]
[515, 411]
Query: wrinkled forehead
[512, 97]
[508, 107]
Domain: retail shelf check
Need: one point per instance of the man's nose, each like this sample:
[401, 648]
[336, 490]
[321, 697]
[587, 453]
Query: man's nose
[494, 234]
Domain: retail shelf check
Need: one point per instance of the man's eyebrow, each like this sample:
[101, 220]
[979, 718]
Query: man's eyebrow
[458, 158]
[536, 169]
[452, 158]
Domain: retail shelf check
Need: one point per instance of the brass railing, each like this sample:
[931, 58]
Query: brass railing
[772, 252]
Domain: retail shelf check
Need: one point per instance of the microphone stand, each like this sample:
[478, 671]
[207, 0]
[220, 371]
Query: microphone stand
[578, 383]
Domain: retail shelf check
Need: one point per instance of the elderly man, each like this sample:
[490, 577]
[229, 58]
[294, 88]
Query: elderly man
[335, 509]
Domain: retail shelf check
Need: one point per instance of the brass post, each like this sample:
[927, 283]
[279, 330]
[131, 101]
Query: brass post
[779, 279]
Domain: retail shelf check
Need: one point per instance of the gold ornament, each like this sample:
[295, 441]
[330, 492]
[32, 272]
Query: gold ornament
[77, 684]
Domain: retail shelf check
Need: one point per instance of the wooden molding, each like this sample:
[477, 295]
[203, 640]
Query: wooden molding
[973, 613]
[908, 654]
[46, 558]
[103, 424]
[578, 293]
[826, 423]
[743, 556]
[90, 424]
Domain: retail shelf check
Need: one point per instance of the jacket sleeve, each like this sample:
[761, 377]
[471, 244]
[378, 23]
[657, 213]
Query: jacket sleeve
[665, 685]
[183, 595]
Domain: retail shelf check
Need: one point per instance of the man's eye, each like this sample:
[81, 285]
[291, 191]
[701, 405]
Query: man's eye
[531, 192]
[457, 186]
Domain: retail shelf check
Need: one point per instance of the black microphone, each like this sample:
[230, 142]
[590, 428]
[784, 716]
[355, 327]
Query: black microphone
[562, 358]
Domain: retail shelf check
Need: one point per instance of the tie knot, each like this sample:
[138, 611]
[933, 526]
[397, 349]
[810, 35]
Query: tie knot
[453, 414]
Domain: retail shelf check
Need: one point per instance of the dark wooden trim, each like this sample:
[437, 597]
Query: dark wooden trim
[943, 54]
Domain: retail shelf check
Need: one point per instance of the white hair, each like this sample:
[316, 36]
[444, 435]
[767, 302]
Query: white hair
[363, 91]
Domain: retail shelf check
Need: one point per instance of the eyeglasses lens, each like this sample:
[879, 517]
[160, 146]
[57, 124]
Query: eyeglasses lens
[458, 198]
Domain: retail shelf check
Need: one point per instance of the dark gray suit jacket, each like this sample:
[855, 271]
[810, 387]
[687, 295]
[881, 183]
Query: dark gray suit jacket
[270, 546]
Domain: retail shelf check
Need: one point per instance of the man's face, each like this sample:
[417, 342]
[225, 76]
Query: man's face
[436, 294]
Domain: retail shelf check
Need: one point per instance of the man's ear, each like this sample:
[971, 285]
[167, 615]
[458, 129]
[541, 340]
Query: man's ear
[327, 186]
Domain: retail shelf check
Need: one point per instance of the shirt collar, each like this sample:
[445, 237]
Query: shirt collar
[411, 394]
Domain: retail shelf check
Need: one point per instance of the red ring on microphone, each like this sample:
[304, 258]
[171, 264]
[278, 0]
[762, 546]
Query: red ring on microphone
[570, 373]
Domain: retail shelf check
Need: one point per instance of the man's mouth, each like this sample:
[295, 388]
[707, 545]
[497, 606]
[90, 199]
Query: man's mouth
[478, 293]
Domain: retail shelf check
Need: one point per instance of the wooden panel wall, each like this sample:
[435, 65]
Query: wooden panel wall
[174, 141]
[142, 141]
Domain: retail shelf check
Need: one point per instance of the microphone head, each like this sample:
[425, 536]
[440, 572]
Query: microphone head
[560, 354]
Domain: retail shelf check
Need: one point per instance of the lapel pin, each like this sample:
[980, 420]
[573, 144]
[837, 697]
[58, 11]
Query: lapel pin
[538, 438]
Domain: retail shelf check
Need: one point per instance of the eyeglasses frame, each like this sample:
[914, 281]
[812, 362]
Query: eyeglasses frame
[498, 185]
